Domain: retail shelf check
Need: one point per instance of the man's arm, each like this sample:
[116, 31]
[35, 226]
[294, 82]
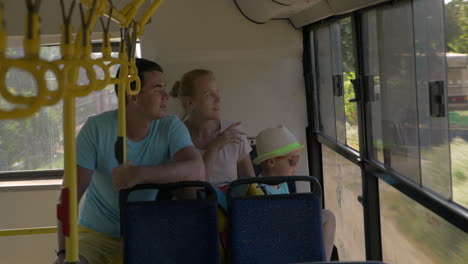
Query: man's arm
[186, 165]
[84, 178]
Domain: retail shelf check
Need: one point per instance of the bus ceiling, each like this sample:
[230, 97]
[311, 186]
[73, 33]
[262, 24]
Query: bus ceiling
[52, 12]
[300, 12]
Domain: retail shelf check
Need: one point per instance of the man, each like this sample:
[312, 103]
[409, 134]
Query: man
[159, 150]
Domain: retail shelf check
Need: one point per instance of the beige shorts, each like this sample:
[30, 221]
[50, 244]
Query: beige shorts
[98, 248]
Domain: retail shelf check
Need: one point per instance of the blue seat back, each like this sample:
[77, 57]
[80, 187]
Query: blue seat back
[170, 231]
[343, 262]
[284, 228]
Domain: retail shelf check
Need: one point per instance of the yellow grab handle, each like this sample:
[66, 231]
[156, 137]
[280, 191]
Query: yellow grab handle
[113, 62]
[101, 83]
[36, 73]
[29, 105]
[72, 69]
[38, 69]
[54, 96]
[133, 77]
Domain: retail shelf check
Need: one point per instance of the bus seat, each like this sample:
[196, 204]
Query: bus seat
[284, 228]
[170, 231]
[342, 262]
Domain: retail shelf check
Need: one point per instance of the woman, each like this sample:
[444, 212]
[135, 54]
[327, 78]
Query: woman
[223, 144]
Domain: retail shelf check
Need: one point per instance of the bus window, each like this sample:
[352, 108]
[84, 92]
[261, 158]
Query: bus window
[336, 71]
[456, 34]
[413, 234]
[430, 83]
[342, 187]
[391, 78]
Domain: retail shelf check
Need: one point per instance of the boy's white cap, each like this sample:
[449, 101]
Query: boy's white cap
[275, 142]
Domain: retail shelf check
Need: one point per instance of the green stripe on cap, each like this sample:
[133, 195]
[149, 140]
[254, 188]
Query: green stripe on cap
[280, 152]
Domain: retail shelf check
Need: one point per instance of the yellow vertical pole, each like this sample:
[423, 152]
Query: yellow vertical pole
[122, 114]
[69, 124]
[70, 179]
[121, 144]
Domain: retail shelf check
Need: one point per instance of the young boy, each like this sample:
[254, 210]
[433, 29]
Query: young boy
[278, 154]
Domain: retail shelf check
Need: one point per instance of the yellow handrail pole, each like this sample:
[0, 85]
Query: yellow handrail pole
[117, 16]
[122, 118]
[123, 17]
[28, 231]
[70, 181]
[124, 69]
[69, 123]
[67, 210]
[130, 11]
[70, 177]
[121, 111]
[147, 15]
[132, 68]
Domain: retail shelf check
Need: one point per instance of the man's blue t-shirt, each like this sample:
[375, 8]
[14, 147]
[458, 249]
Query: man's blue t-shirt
[95, 151]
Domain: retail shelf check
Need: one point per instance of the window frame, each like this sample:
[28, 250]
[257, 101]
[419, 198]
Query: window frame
[371, 169]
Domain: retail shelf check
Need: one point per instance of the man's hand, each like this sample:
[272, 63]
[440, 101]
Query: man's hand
[123, 176]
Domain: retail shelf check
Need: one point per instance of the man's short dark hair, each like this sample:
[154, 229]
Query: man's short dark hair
[143, 65]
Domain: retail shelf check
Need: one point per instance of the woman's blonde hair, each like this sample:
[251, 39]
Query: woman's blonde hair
[186, 86]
